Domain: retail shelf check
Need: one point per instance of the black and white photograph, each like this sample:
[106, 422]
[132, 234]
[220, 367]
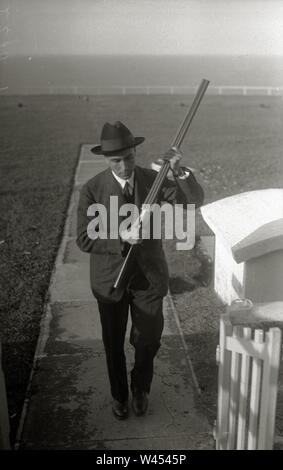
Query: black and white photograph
[141, 228]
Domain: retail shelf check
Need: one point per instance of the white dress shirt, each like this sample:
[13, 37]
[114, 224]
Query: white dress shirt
[123, 182]
[131, 180]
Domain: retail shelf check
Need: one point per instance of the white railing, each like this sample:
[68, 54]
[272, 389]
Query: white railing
[146, 90]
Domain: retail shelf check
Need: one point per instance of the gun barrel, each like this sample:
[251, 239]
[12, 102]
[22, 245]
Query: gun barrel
[177, 142]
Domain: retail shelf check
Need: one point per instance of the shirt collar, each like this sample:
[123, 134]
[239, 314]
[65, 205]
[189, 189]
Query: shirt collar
[122, 182]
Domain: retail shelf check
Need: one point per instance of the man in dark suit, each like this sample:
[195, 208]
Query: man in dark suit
[147, 282]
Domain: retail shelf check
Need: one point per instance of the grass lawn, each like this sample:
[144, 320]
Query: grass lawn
[235, 145]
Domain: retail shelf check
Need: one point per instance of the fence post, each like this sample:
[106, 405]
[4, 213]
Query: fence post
[255, 395]
[269, 390]
[4, 417]
[223, 386]
[244, 390]
[234, 393]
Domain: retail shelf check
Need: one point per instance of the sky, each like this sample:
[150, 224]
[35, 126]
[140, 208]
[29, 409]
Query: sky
[234, 27]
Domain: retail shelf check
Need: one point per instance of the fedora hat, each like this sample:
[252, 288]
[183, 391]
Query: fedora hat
[115, 137]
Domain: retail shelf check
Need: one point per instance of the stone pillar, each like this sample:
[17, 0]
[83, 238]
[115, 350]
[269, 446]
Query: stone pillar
[248, 248]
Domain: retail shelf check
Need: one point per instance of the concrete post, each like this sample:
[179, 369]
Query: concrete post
[4, 417]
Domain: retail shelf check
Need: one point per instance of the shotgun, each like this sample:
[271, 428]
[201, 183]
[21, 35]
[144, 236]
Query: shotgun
[161, 176]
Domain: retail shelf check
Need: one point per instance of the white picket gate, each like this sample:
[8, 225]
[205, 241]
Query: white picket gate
[249, 360]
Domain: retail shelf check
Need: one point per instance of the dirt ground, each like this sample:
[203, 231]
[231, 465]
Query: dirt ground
[235, 145]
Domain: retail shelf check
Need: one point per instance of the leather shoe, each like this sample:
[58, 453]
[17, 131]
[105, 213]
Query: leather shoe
[140, 402]
[120, 409]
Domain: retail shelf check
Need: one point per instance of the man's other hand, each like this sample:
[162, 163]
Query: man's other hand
[174, 156]
[131, 236]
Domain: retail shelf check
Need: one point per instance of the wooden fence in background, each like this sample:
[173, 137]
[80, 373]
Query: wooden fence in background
[240, 90]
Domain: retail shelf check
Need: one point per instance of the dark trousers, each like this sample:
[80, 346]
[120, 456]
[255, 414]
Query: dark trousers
[147, 325]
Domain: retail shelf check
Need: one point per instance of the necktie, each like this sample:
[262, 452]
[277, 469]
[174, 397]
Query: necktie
[127, 197]
[126, 192]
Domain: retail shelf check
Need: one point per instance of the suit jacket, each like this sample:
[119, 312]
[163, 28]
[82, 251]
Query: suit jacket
[106, 254]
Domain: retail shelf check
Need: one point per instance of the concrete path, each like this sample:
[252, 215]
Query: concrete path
[69, 404]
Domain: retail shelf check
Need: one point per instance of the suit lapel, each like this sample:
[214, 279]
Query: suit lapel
[141, 187]
[114, 187]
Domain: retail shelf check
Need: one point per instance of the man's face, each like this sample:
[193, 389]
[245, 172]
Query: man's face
[123, 163]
